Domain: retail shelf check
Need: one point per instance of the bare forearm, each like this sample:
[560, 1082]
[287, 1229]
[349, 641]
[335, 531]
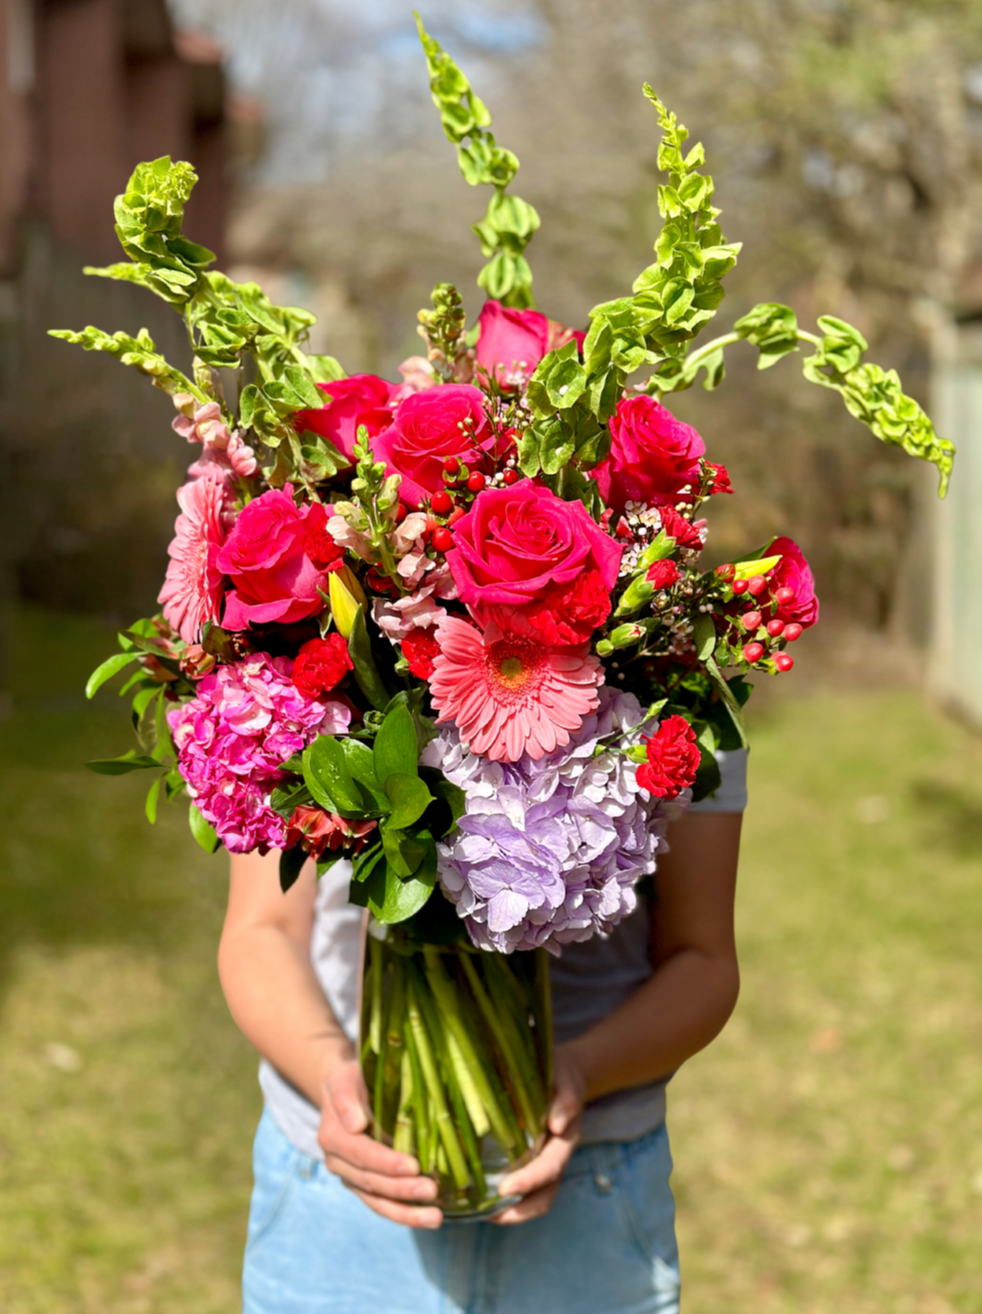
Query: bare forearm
[277, 1002]
[677, 1012]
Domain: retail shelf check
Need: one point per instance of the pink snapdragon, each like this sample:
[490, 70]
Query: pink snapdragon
[224, 450]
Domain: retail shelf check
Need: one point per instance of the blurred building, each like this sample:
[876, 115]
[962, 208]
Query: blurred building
[956, 630]
[88, 88]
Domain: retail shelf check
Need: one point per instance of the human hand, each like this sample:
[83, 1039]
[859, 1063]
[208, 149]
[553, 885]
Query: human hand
[388, 1182]
[538, 1182]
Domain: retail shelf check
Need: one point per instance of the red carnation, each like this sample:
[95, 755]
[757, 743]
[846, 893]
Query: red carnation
[570, 613]
[419, 647]
[320, 548]
[683, 531]
[673, 759]
[721, 479]
[321, 664]
[663, 574]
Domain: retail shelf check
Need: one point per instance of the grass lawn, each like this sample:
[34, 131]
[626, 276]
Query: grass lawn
[828, 1146]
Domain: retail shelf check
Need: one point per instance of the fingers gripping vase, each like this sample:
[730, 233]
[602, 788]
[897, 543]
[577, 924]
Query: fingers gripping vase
[456, 1049]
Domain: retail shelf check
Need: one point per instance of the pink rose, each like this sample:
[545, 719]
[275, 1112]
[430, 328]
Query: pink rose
[512, 342]
[793, 572]
[428, 427]
[652, 455]
[265, 554]
[362, 399]
[516, 543]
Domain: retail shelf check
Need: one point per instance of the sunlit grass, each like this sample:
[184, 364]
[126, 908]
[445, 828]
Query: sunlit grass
[828, 1147]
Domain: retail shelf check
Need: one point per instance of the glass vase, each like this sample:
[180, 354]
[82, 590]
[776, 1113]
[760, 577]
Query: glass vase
[456, 1049]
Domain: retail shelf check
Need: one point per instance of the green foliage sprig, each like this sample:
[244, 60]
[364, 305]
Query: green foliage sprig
[509, 222]
[231, 326]
[871, 394]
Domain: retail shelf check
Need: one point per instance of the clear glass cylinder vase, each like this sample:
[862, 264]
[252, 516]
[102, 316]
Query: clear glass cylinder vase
[456, 1049]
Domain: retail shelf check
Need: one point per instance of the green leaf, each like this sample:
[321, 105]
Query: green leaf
[202, 831]
[366, 672]
[704, 636]
[289, 795]
[409, 798]
[291, 865]
[110, 667]
[728, 699]
[150, 807]
[402, 853]
[396, 749]
[708, 778]
[401, 899]
[452, 795]
[121, 766]
[325, 770]
[365, 862]
[361, 768]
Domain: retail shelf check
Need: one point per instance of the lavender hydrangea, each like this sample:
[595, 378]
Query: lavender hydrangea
[548, 852]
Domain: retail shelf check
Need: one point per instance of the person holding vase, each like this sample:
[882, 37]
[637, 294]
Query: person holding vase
[342, 1223]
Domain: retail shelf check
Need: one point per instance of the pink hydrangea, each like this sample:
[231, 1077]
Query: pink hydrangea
[232, 739]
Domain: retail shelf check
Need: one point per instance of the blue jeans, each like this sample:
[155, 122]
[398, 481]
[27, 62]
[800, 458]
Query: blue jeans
[607, 1246]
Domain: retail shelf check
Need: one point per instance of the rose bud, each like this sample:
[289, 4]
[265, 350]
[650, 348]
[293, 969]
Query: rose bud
[726, 573]
[740, 586]
[753, 652]
[757, 586]
[783, 661]
[792, 631]
[750, 620]
[774, 627]
[784, 595]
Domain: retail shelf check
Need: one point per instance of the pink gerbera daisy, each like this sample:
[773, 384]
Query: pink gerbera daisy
[192, 592]
[510, 694]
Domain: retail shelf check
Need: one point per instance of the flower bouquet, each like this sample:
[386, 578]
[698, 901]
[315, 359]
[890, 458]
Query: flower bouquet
[454, 630]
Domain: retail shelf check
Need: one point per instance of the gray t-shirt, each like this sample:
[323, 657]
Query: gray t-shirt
[589, 981]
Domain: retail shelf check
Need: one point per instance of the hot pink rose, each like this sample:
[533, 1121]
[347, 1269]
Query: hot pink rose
[428, 427]
[274, 578]
[515, 543]
[652, 455]
[362, 399]
[512, 342]
[793, 572]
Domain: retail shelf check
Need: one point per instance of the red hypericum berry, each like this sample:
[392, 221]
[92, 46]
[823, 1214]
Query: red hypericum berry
[757, 585]
[476, 481]
[792, 631]
[783, 661]
[441, 502]
[511, 476]
[726, 573]
[442, 539]
[740, 586]
[753, 652]
[401, 512]
[774, 627]
[751, 619]
[783, 596]
[456, 514]
[451, 464]
[431, 525]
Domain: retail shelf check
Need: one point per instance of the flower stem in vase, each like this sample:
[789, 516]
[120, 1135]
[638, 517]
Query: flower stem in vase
[404, 1137]
[454, 1156]
[515, 1052]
